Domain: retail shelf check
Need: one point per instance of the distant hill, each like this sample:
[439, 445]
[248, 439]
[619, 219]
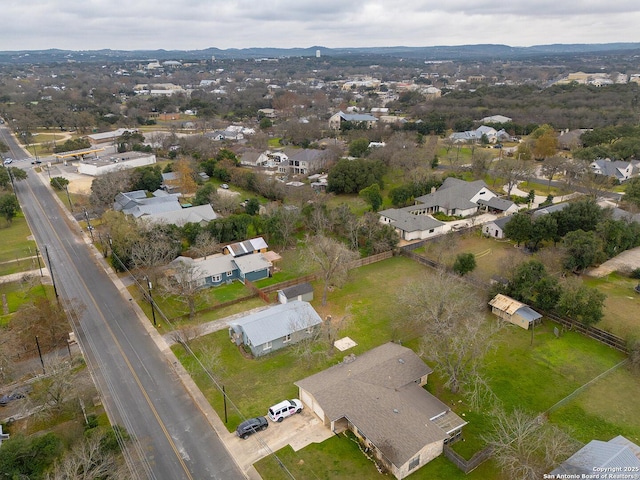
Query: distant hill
[461, 52]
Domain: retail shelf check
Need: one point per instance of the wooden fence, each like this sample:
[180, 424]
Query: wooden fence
[597, 334]
[592, 332]
[467, 465]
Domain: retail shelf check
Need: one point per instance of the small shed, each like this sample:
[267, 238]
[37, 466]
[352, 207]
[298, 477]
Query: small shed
[514, 311]
[495, 229]
[302, 291]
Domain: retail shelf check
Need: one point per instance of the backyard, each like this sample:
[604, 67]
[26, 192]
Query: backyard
[531, 375]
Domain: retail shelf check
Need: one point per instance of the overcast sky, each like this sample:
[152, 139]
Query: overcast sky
[198, 24]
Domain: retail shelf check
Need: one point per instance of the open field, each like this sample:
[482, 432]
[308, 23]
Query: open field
[622, 306]
[532, 377]
[16, 247]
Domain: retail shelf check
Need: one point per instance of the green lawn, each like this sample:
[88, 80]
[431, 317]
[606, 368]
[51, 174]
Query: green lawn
[16, 245]
[531, 377]
[18, 293]
[622, 312]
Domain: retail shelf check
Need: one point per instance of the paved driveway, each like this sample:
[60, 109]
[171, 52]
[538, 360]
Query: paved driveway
[298, 431]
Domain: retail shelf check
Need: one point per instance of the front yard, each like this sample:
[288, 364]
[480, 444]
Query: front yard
[532, 377]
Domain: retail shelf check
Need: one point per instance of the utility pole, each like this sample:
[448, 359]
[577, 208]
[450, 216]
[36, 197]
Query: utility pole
[53, 280]
[38, 257]
[89, 227]
[40, 354]
[153, 309]
[66, 188]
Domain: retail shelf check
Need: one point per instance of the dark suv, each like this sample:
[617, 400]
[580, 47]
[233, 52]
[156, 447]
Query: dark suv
[250, 426]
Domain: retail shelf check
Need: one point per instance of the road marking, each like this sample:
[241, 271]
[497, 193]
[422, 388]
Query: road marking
[115, 340]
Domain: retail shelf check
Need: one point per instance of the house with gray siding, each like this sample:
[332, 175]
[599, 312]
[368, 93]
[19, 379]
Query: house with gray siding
[215, 270]
[276, 327]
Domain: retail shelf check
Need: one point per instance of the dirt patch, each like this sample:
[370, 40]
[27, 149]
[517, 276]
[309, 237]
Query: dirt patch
[626, 261]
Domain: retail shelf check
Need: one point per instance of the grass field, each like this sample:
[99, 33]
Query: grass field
[16, 247]
[533, 377]
[622, 306]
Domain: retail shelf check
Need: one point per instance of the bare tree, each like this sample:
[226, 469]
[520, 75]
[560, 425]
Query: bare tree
[155, 247]
[512, 171]
[184, 282]
[205, 244]
[553, 166]
[525, 446]
[332, 257]
[40, 318]
[55, 389]
[88, 460]
[448, 317]
[224, 204]
[105, 188]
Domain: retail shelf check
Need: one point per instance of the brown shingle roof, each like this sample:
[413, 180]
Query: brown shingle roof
[378, 393]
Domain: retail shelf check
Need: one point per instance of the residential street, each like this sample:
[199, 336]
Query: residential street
[140, 389]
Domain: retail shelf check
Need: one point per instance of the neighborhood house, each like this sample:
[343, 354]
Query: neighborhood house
[275, 327]
[454, 198]
[379, 396]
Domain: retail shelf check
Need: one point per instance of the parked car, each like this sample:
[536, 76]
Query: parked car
[251, 426]
[16, 395]
[8, 161]
[225, 186]
[285, 409]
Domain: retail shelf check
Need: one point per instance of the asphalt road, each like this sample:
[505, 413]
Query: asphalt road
[139, 388]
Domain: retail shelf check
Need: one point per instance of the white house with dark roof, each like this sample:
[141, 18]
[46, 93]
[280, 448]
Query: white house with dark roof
[454, 198]
[302, 291]
[275, 327]
[411, 226]
[616, 169]
[379, 396]
[495, 229]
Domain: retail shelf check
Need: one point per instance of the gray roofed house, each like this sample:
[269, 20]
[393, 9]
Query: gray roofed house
[337, 118]
[253, 267]
[411, 226]
[138, 205]
[617, 455]
[302, 291]
[217, 269]
[495, 228]
[556, 207]
[617, 169]
[201, 214]
[163, 207]
[379, 396]
[496, 119]
[275, 327]
[455, 198]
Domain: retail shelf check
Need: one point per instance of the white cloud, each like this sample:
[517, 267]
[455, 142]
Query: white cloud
[196, 24]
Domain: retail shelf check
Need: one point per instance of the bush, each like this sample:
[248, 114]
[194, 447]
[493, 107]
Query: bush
[59, 183]
[635, 273]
